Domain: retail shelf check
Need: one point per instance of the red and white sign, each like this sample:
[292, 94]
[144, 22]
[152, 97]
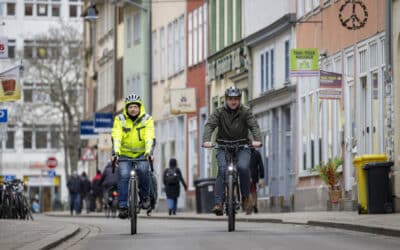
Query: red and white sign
[3, 47]
[51, 162]
[88, 154]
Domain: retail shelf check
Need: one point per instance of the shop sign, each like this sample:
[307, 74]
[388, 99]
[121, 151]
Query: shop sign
[183, 100]
[231, 61]
[304, 62]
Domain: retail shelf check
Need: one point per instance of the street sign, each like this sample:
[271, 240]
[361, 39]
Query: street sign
[87, 154]
[3, 116]
[51, 173]
[8, 178]
[103, 122]
[51, 162]
[87, 130]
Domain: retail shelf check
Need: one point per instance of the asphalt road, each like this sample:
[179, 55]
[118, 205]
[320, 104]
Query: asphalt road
[98, 233]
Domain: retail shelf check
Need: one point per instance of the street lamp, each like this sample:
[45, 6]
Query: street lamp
[91, 17]
[149, 42]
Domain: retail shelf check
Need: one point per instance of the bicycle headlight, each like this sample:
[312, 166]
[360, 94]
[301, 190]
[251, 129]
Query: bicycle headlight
[133, 173]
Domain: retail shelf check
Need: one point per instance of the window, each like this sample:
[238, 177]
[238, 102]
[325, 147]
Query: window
[136, 28]
[287, 61]
[11, 48]
[129, 32]
[27, 139]
[315, 4]
[10, 9]
[205, 30]
[28, 49]
[162, 53]
[300, 10]
[176, 47]
[73, 11]
[41, 9]
[200, 32]
[195, 38]
[363, 60]
[170, 50]
[10, 142]
[55, 138]
[41, 138]
[182, 45]
[41, 50]
[308, 6]
[154, 59]
[55, 10]
[190, 39]
[28, 92]
[374, 55]
[28, 9]
[267, 70]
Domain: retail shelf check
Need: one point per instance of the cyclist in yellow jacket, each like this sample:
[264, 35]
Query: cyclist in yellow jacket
[133, 138]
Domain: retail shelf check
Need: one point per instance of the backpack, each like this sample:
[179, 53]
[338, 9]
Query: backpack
[171, 176]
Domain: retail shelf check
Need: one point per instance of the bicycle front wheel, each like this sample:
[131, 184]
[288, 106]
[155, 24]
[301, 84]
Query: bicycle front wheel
[133, 205]
[231, 204]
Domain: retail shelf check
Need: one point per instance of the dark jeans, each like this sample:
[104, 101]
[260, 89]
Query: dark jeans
[75, 202]
[143, 174]
[243, 161]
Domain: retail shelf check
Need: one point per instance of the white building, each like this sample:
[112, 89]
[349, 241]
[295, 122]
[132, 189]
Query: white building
[29, 145]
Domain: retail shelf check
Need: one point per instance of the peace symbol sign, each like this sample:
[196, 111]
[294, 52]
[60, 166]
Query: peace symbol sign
[354, 22]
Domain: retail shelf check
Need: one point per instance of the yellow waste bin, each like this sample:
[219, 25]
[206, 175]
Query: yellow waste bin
[359, 162]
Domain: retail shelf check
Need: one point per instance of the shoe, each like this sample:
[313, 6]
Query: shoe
[169, 212]
[217, 209]
[123, 213]
[247, 205]
[255, 209]
[173, 212]
[146, 203]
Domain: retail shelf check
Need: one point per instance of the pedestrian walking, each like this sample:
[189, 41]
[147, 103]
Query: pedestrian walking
[85, 191]
[74, 188]
[172, 178]
[97, 191]
[257, 176]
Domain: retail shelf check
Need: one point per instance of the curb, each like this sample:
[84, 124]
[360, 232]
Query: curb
[54, 240]
[358, 228]
[331, 224]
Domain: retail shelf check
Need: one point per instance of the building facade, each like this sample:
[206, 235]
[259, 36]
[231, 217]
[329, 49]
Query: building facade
[353, 124]
[273, 97]
[169, 74]
[32, 140]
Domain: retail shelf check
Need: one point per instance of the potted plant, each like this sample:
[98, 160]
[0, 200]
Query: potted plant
[329, 174]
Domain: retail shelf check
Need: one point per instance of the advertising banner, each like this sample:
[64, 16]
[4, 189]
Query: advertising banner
[10, 88]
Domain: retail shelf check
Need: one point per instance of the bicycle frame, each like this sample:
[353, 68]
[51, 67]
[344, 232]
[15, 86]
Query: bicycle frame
[231, 182]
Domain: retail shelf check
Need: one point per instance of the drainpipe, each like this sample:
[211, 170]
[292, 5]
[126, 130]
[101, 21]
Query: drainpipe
[388, 79]
[150, 70]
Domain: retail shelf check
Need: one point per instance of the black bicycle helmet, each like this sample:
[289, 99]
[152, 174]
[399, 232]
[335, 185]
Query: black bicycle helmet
[233, 92]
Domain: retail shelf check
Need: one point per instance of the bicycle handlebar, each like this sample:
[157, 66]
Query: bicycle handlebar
[114, 163]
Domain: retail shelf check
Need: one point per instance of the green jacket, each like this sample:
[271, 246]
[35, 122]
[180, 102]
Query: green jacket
[232, 125]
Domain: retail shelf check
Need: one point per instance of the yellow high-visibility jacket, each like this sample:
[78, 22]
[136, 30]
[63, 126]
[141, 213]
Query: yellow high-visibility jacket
[133, 138]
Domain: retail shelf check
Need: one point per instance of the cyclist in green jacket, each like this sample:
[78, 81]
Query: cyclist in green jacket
[234, 122]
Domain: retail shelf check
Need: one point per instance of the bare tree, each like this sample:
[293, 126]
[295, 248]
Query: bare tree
[56, 68]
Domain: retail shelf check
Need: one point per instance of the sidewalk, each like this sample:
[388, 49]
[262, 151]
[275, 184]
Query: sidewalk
[33, 235]
[45, 234]
[385, 224]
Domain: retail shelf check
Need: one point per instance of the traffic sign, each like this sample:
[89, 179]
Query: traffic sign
[51, 162]
[8, 178]
[88, 154]
[3, 116]
[51, 173]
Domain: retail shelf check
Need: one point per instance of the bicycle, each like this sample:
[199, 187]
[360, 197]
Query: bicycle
[232, 193]
[110, 201]
[133, 194]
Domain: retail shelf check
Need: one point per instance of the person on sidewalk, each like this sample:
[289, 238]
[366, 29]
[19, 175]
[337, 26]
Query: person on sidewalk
[74, 188]
[257, 176]
[109, 182]
[85, 191]
[234, 121]
[172, 179]
[97, 191]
